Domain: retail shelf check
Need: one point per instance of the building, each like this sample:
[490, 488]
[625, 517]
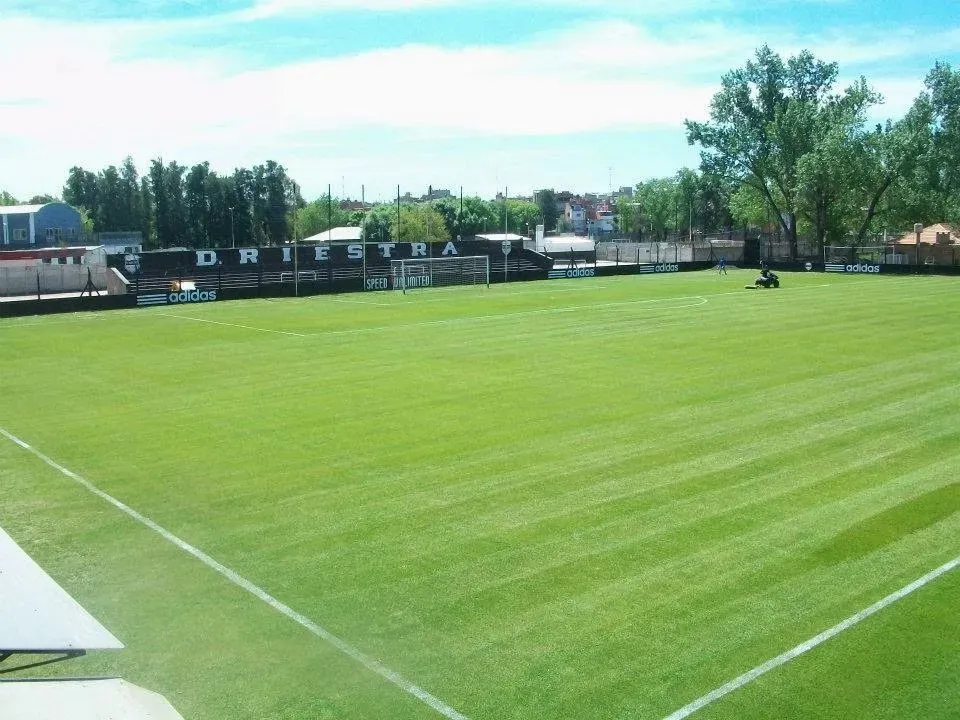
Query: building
[435, 194]
[938, 245]
[48, 225]
[576, 214]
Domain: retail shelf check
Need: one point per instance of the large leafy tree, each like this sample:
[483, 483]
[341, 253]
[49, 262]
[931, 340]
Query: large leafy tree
[942, 171]
[276, 191]
[197, 206]
[323, 213]
[659, 201]
[765, 119]
[478, 216]
[629, 216]
[81, 190]
[419, 223]
[522, 216]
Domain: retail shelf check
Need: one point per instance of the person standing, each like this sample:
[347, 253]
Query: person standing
[722, 266]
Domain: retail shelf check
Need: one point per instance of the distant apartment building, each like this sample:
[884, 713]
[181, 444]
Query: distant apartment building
[575, 211]
[435, 194]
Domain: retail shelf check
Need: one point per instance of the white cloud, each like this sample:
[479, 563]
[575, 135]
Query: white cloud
[90, 99]
[271, 8]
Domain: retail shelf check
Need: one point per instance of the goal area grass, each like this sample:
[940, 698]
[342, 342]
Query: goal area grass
[584, 498]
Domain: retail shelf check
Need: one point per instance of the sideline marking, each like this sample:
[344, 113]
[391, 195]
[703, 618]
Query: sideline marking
[803, 647]
[362, 302]
[234, 577]
[245, 327]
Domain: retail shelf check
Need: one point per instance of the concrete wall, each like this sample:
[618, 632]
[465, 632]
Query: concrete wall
[117, 284]
[53, 279]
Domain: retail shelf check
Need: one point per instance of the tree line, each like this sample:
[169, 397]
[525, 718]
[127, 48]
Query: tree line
[783, 148]
[176, 206]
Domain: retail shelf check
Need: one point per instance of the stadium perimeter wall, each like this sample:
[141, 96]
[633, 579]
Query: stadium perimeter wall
[193, 276]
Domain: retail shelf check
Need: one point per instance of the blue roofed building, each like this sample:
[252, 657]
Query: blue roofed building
[49, 225]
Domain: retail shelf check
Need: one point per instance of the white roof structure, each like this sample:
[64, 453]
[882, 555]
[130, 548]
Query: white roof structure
[20, 209]
[500, 237]
[106, 699]
[37, 614]
[337, 234]
[566, 243]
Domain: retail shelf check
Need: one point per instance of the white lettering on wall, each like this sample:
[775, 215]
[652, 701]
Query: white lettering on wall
[206, 258]
[249, 255]
[450, 249]
[386, 249]
[355, 251]
[321, 252]
[418, 249]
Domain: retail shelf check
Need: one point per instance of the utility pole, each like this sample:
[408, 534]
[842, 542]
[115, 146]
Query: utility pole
[296, 266]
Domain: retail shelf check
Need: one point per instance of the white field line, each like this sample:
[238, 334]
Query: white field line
[231, 575]
[135, 312]
[807, 645]
[361, 302]
[507, 316]
[702, 300]
[236, 325]
[496, 292]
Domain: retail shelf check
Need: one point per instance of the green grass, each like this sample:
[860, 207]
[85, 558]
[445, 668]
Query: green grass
[578, 499]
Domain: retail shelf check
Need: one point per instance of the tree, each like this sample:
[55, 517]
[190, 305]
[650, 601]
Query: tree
[477, 217]
[629, 216]
[380, 223]
[939, 176]
[241, 207]
[6, 199]
[132, 218]
[197, 206]
[749, 207]
[112, 212]
[765, 119]
[322, 214]
[161, 203]
[547, 202]
[86, 222]
[81, 191]
[659, 200]
[419, 223]
[275, 183]
[145, 213]
[42, 199]
[522, 216]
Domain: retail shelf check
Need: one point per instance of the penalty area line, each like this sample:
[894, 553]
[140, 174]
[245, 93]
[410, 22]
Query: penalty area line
[751, 675]
[258, 592]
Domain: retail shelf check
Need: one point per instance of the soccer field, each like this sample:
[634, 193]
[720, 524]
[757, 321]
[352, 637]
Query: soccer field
[593, 498]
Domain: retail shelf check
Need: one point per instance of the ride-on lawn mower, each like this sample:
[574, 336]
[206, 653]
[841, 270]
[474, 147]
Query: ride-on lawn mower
[766, 279]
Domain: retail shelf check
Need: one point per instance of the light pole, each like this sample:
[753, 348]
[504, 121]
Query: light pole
[233, 238]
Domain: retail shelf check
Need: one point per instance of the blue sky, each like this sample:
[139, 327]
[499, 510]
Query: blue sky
[485, 94]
